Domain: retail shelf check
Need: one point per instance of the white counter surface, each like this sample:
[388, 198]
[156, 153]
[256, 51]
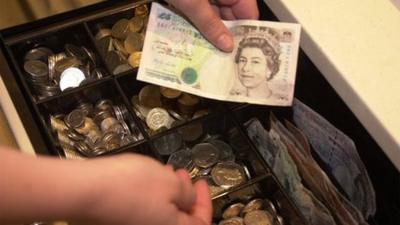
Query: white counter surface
[356, 46]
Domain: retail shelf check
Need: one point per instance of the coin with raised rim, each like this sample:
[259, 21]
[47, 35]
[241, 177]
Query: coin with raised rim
[168, 143]
[170, 93]
[228, 174]
[136, 24]
[133, 42]
[158, 118]
[71, 77]
[232, 221]
[150, 96]
[120, 29]
[36, 68]
[205, 155]
[75, 119]
[258, 217]
[233, 210]
[254, 204]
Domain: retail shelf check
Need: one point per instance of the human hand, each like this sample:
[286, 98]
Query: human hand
[139, 190]
[207, 14]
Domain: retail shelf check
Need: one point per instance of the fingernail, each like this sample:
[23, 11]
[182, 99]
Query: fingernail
[225, 43]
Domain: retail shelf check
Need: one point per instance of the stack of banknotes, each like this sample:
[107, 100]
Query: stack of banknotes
[288, 148]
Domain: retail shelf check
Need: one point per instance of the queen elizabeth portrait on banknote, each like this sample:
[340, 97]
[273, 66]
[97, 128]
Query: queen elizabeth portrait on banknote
[257, 62]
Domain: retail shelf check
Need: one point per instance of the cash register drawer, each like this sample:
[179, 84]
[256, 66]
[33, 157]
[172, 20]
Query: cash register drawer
[39, 106]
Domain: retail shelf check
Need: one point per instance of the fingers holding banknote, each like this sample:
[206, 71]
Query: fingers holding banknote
[206, 16]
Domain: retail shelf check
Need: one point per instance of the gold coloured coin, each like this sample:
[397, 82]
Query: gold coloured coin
[150, 96]
[232, 221]
[258, 217]
[134, 59]
[120, 29]
[170, 93]
[133, 42]
[120, 46]
[136, 24]
[233, 210]
[254, 204]
[142, 10]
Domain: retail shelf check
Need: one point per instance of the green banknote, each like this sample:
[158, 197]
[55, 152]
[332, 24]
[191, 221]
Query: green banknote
[260, 70]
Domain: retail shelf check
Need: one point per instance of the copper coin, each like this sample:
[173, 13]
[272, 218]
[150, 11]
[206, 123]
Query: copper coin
[170, 93]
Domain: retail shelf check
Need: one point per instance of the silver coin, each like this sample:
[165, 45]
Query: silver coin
[104, 45]
[122, 68]
[90, 55]
[270, 207]
[75, 119]
[181, 159]
[83, 148]
[233, 210]
[258, 217]
[141, 111]
[168, 143]
[76, 52]
[36, 68]
[232, 221]
[104, 32]
[228, 174]
[158, 118]
[104, 105]
[205, 155]
[71, 78]
[107, 124]
[40, 53]
[225, 150]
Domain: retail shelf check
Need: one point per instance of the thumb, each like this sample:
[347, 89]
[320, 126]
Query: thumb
[204, 18]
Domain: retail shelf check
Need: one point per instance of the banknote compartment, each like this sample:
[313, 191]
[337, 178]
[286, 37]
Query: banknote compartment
[85, 101]
[59, 50]
[178, 114]
[267, 189]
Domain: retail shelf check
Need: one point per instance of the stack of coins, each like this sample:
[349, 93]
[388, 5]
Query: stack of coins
[50, 73]
[161, 108]
[255, 212]
[212, 159]
[121, 45]
[92, 130]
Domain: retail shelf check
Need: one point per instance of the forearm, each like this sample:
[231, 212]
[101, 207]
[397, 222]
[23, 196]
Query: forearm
[44, 188]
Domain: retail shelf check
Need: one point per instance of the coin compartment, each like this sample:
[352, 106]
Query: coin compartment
[56, 41]
[108, 45]
[132, 87]
[266, 188]
[213, 130]
[64, 105]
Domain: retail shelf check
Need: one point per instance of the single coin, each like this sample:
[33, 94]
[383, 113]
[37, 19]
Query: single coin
[71, 77]
[200, 113]
[119, 46]
[65, 63]
[76, 52]
[205, 155]
[113, 59]
[228, 174]
[75, 119]
[136, 24]
[141, 111]
[104, 105]
[103, 32]
[141, 10]
[158, 118]
[120, 29]
[254, 204]
[108, 123]
[36, 68]
[192, 131]
[90, 55]
[233, 210]
[133, 42]
[168, 143]
[105, 45]
[187, 103]
[122, 68]
[170, 93]
[134, 59]
[181, 159]
[270, 207]
[150, 96]
[232, 221]
[175, 115]
[258, 217]
[225, 150]
[40, 53]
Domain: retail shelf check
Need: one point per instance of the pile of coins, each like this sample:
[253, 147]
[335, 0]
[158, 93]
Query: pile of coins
[94, 130]
[212, 159]
[51, 73]
[162, 108]
[121, 46]
[255, 212]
